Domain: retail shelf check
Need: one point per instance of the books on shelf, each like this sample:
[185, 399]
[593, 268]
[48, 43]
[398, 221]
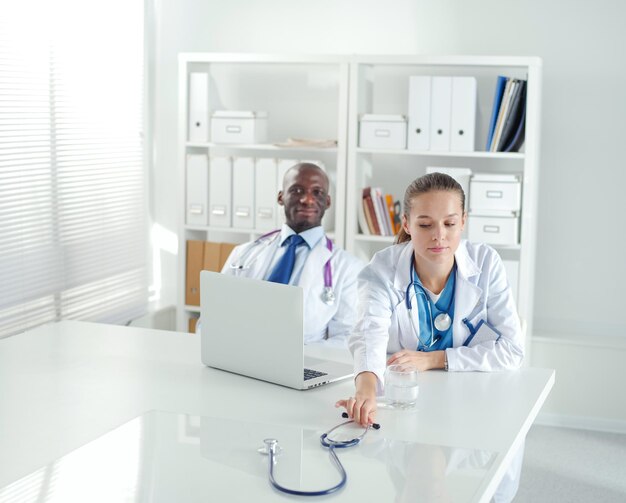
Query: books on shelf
[378, 214]
[508, 116]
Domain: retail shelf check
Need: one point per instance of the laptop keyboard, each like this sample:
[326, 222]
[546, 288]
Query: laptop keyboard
[312, 374]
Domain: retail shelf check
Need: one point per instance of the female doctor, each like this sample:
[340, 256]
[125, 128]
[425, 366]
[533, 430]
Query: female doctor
[432, 300]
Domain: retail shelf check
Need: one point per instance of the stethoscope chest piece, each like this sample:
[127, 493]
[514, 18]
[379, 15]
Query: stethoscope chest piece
[442, 322]
[270, 446]
[328, 296]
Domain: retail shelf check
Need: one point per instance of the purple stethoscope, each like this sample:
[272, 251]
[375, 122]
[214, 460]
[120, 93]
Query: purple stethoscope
[248, 257]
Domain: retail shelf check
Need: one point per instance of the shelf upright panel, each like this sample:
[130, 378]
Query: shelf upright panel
[530, 186]
[341, 190]
[183, 98]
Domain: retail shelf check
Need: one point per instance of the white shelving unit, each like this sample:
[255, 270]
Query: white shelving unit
[322, 97]
[379, 85]
[304, 96]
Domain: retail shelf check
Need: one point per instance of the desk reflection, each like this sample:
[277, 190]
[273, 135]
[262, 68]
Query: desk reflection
[164, 457]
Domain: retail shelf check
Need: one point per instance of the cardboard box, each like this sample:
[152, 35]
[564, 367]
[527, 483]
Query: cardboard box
[192, 325]
[225, 250]
[203, 255]
[195, 257]
[212, 256]
[215, 255]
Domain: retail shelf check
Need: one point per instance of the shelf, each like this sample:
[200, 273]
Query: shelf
[447, 60]
[260, 146]
[230, 230]
[221, 229]
[260, 58]
[374, 239]
[361, 83]
[430, 153]
[505, 247]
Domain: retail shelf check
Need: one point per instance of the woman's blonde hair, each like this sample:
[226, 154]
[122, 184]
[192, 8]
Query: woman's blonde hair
[422, 185]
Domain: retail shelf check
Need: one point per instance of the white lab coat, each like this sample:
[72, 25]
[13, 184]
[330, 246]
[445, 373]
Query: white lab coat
[481, 292]
[322, 322]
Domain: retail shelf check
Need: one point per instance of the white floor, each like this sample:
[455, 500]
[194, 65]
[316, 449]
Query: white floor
[573, 466]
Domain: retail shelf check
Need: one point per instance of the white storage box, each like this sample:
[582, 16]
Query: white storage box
[495, 193]
[382, 131]
[493, 229]
[238, 127]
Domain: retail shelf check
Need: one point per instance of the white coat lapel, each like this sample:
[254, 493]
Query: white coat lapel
[466, 293]
[313, 270]
[408, 336]
[260, 263]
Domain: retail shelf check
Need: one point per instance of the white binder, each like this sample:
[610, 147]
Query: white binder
[283, 166]
[220, 191]
[441, 104]
[265, 194]
[463, 119]
[243, 193]
[199, 107]
[197, 192]
[418, 134]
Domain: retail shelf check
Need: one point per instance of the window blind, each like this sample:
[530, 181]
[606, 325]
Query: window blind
[73, 219]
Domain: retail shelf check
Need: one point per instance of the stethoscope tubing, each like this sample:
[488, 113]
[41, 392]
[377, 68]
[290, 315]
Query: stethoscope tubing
[418, 288]
[331, 445]
[321, 492]
[248, 257]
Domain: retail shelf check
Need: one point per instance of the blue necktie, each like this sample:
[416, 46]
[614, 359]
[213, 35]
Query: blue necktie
[284, 267]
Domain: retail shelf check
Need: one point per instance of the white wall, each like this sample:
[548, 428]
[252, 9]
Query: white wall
[580, 241]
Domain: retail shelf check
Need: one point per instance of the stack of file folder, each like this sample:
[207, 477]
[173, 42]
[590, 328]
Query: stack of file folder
[508, 116]
[379, 215]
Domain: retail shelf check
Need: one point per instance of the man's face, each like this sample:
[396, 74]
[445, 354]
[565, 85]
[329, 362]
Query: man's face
[305, 197]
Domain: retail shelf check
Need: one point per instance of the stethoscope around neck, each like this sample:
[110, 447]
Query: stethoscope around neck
[441, 322]
[252, 253]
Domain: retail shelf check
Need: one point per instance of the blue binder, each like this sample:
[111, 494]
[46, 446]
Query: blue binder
[497, 99]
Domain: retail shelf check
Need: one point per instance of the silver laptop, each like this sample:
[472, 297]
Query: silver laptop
[255, 328]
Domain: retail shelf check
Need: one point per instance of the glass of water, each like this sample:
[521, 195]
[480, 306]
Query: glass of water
[401, 387]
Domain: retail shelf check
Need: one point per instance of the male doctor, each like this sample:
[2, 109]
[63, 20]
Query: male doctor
[301, 254]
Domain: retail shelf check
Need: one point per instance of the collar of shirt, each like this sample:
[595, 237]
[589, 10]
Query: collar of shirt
[310, 236]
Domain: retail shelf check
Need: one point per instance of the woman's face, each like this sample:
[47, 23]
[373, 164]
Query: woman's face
[435, 223]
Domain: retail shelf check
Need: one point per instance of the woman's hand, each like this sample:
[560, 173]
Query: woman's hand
[421, 360]
[362, 407]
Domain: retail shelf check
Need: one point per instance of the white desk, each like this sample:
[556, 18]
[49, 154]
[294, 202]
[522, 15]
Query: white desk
[64, 385]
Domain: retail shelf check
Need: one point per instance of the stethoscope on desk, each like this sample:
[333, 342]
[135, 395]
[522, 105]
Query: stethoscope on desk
[442, 321]
[271, 449]
[256, 248]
